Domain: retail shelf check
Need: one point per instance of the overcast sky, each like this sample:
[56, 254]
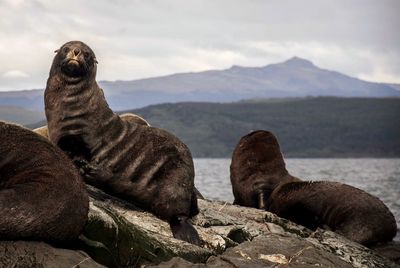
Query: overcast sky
[136, 39]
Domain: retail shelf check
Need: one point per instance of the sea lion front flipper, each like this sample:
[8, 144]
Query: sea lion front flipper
[183, 230]
[93, 174]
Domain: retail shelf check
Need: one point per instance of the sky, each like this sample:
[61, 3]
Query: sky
[136, 39]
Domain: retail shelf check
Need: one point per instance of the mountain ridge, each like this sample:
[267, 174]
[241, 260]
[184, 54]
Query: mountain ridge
[295, 77]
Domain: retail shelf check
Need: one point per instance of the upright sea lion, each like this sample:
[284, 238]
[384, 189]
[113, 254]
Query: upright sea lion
[145, 165]
[130, 117]
[257, 168]
[42, 196]
[346, 210]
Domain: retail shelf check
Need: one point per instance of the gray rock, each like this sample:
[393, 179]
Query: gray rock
[120, 235]
[389, 250]
[269, 250]
[22, 254]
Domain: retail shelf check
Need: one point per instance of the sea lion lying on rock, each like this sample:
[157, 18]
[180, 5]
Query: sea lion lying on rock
[260, 179]
[257, 168]
[42, 196]
[145, 165]
[346, 210]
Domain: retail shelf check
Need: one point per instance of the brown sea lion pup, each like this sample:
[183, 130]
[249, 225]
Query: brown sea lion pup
[346, 210]
[257, 168]
[130, 117]
[145, 165]
[42, 196]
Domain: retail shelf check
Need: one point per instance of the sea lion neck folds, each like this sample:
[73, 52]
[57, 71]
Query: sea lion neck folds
[71, 95]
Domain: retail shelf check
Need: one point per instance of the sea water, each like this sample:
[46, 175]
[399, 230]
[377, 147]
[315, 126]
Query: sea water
[379, 177]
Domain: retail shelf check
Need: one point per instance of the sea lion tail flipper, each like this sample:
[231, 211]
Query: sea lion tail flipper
[183, 230]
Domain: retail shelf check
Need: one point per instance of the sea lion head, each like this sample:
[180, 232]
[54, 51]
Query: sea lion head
[74, 60]
[263, 146]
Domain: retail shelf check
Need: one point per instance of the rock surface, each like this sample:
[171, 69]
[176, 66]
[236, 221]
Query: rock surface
[119, 234]
[22, 254]
[268, 251]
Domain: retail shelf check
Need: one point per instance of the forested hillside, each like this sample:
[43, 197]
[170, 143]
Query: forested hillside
[310, 127]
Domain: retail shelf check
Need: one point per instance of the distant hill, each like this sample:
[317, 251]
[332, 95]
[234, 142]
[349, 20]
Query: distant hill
[307, 127]
[295, 77]
[20, 115]
[25, 99]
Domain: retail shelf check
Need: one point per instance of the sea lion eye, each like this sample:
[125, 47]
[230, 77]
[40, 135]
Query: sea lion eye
[65, 49]
[86, 54]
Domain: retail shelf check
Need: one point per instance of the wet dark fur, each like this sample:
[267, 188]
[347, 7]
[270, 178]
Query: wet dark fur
[346, 210]
[257, 168]
[42, 196]
[147, 166]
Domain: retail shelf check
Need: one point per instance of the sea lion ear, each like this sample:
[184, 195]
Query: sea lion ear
[95, 61]
[56, 51]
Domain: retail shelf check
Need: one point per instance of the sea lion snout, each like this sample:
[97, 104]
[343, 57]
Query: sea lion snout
[74, 56]
[77, 51]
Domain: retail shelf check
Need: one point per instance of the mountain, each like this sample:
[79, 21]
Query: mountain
[295, 77]
[305, 127]
[25, 99]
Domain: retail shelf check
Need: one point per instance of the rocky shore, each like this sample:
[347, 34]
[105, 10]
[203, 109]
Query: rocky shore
[120, 235]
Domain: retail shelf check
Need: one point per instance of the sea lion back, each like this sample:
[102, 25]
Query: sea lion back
[42, 196]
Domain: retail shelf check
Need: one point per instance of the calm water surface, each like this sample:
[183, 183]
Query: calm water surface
[380, 177]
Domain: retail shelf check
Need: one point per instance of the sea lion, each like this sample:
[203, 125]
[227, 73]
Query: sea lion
[42, 196]
[130, 117]
[346, 210]
[145, 165]
[257, 168]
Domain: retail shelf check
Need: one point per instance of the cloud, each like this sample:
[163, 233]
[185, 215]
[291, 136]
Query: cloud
[136, 39]
[15, 74]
